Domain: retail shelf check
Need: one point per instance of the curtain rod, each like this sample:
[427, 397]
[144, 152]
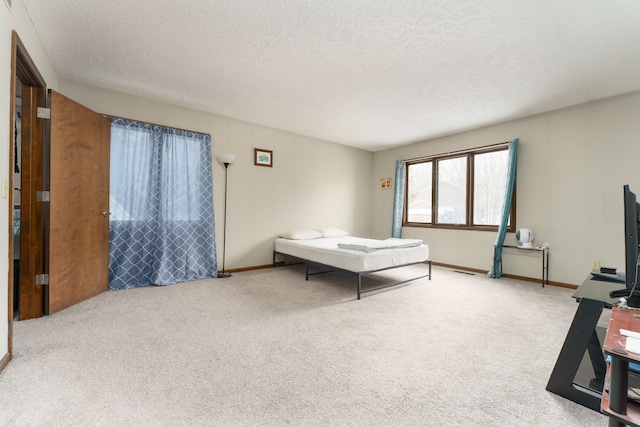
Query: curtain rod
[155, 124]
[469, 150]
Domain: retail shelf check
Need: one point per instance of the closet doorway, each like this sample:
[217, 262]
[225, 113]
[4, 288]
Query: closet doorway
[27, 248]
[63, 194]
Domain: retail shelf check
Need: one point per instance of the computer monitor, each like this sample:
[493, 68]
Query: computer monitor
[631, 242]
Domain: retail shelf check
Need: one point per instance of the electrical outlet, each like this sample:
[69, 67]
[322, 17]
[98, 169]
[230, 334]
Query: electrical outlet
[595, 264]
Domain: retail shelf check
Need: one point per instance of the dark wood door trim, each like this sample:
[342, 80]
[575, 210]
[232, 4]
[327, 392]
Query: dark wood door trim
[23, 69]
[32, 260]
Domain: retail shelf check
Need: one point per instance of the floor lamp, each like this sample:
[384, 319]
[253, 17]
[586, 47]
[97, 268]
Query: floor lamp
[226, 160]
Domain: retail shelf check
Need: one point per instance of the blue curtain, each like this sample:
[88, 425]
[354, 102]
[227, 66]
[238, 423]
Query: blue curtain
[506, 209]
[398, 199]
[161, 202]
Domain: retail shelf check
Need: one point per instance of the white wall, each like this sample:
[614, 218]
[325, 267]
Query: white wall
[312, 183]
[5, 73]
[572, 165]
[18, 20]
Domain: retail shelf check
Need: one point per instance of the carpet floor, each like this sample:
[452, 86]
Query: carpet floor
[267, 348]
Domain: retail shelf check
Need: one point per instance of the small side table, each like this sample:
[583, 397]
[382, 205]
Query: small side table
[545, 259]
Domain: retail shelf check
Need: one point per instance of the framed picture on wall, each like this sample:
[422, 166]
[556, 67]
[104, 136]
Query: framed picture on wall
[263, 157]
[385, 183]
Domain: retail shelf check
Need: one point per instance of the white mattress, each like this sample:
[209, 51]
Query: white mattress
[326, 251]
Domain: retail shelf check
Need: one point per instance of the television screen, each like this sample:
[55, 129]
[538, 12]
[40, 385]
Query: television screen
[631, 231]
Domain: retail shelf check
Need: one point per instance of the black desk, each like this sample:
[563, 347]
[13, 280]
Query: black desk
[592, 296]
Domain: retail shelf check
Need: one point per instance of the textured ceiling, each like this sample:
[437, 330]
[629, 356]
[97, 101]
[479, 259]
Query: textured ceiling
[371, 74]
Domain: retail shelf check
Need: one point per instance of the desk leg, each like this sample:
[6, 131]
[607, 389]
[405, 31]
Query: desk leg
[619, 385]
[545, 267]
[597, 361]
[579, 337]
[618, 389]
[615, 423]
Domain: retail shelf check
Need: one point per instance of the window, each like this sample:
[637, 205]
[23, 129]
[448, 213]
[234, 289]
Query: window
[489, 178]
[458, 190]
[157, 172]
[419, 177]
[451, 204]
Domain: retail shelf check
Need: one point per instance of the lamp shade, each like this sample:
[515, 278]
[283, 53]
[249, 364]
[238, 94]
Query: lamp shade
[226, 158]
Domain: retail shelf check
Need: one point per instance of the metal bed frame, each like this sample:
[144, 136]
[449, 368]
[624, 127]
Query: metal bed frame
[358, 274]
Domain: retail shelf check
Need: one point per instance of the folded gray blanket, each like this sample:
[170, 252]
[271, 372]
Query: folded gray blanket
[371, 245]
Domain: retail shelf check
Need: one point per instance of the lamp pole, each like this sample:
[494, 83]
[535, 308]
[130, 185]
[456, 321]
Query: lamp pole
[226, 160]
[224, 238]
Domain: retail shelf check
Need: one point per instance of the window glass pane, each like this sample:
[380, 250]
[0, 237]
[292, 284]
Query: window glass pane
[490, 175]
[129, 194]
[452, 191]
[419, 192]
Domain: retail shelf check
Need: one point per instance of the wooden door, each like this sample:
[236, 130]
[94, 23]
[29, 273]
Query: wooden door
[79, 204]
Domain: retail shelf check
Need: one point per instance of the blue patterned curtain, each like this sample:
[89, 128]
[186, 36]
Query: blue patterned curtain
[506, 209]
[398, 199]
[161, 202]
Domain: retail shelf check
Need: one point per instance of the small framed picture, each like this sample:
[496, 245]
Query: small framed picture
[385, 183]
[263, 157]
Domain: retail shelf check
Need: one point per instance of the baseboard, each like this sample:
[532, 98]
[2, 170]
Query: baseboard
[254, 267]
[510, 276]
[457, 267]
[537, 280]
[4, 361]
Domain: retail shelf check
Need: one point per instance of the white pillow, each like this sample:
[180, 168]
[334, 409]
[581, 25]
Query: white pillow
[301, 235]
[332, 232]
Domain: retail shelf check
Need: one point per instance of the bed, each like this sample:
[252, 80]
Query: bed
[336, 250]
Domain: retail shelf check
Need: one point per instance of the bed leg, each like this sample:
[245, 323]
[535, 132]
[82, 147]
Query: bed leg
[429, 269]
[306, 264]
[359, 284]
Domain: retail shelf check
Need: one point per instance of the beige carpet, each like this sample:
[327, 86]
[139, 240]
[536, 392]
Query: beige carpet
[266, 348]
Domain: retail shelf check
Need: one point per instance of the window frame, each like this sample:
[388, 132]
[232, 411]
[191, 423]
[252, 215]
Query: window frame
[468, 225]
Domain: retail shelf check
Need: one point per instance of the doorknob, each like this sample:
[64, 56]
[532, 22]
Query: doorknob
[106, 213]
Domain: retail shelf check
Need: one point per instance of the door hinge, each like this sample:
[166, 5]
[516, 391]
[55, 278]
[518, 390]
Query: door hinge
[42, 279]
[44, 113]
[43, 196]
